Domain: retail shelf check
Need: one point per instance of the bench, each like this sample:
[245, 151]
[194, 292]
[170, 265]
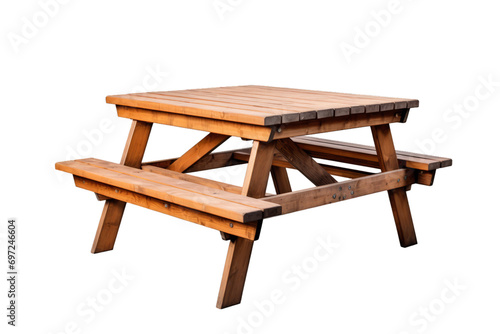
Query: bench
[183, 196]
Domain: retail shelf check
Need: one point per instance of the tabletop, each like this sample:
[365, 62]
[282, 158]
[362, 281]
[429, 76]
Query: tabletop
[261, 105]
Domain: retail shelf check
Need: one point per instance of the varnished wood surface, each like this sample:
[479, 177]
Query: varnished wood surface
[242, 230]
[365, 155]
[399, 200]
[195, 196]
[260, 105]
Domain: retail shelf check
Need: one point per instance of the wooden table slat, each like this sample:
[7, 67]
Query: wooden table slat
[260, 105]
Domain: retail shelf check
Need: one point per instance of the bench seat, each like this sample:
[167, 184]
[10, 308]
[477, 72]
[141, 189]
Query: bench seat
[172, 194]
[365, 155]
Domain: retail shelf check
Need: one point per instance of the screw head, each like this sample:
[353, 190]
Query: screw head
[344, 196]
[166, 205]
[231, 225]
[279, 129]
[349, 187]
[334, 196]
[116, 190]
[352, 192]
[399, 180]
[340, 188]
[406, 177]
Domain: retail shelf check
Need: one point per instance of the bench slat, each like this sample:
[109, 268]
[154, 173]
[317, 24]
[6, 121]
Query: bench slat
[171, 190]
[356, 153]
[194, 184]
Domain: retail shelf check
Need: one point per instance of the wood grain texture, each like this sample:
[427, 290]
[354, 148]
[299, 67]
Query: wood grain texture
[198, 151]
[303, 162]
[280, 180]
[259, 166]
[334, 193]
[136, 144]
[260, 105]
[112, 213]
[195, 196]
[365, 155]
[399, 201]
[239, 252]
[230, 128]
[194, 179]
[336, 124]
[247, 230]
[210, 161]
[235, 272]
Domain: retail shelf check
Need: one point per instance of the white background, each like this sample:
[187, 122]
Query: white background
[53, 84]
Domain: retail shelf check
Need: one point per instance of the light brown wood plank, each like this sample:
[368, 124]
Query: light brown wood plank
[288, 113]
[194, 185]
[399, 201]
[353, 107]
[194, 179]
[280, 180]
[235, 272]
[366, 155]
[198, 151]
[322, 110]
[247, 230]
[193, 109]
[210, 161]
[258, 169]
[189, 183]
[147, 184]
[304, 163]
[437, 162]
[112, 213]
[340, 108]
[400, 103]
[336, 124]
[221, 190]
[333, 193]
[136, 144]
[363, 103]
[248, 131]
[238, 255]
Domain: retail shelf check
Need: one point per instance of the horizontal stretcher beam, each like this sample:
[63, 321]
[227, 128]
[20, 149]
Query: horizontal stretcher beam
[241, 156]
[337, 192]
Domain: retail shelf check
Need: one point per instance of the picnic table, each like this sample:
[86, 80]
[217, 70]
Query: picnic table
[279, 121]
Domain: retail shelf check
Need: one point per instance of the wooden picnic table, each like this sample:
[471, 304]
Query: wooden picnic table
[279, 121]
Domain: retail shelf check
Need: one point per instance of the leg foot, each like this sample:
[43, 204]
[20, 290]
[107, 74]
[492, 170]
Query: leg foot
[108, 226]
[235, 272]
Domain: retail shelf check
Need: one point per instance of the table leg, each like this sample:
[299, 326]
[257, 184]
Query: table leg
[280, 180]
[399, 201]
[113, 209]
[238, 255]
